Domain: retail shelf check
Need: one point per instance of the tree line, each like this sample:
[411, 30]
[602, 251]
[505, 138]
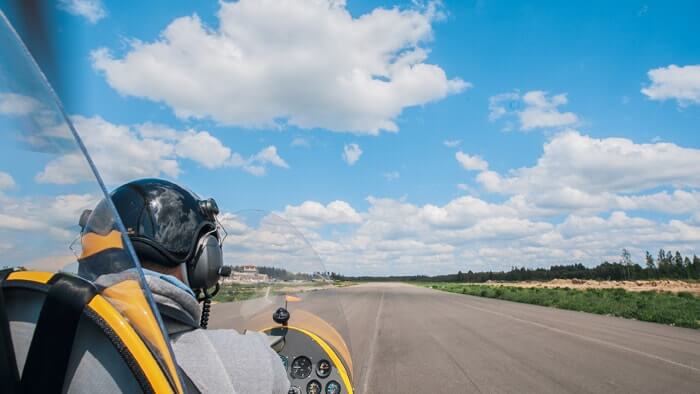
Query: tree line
[666, 265]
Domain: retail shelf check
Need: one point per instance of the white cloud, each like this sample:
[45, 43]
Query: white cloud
[396, 237]
[9, 222]
[6, 181]
[675, 83]
[257, 163]
[593, 165]
[203, 148]
[310, 64]
[52, 214]
[123, 152]
[534, 110]
[351, 153]
[17, 104]
[471, 162]
[119, 153]
[392, 175]
[269, 155]
[314, 214]
[92, 10]
[502, 104]
[41, 227]
[578, 203]
[452, 143]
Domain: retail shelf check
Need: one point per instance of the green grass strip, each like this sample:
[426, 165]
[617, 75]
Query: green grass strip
[680, 309]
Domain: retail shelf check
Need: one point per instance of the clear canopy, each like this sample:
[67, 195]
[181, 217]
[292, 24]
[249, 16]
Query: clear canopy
[47, 181]
[275, 266]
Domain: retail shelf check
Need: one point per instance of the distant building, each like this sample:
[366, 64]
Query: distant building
[247, 274]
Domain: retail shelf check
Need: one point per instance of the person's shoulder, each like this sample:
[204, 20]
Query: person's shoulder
[223, 340]
[250, 339]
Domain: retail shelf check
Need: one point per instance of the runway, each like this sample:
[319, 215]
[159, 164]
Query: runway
[407, 339]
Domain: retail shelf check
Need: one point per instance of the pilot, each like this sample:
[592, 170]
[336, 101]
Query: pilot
[175, 235]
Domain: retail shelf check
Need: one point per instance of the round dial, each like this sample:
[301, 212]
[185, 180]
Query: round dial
[323, 369]
[333, 387]
[294, 390]
[314, 387]
[301, 368]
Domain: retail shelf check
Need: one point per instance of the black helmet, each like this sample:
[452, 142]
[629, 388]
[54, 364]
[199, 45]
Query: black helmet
[167, 225]
[164, 221]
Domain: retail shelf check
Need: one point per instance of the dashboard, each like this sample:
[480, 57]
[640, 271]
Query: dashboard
[309, 367]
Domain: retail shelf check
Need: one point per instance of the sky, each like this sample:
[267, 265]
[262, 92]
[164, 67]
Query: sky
[400, 137]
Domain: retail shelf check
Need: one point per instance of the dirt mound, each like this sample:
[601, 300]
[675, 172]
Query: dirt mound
[674, 286]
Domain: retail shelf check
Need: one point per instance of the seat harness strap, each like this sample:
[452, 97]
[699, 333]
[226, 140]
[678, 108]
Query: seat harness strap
[50, 350]
[9, 375]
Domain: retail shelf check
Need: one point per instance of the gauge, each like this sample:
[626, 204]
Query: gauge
[314, 387]
[294, 390]
[301, 368]
[285, 361]
[323, 369]
[333, 387]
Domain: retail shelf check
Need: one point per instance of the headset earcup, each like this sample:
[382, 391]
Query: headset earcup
[204, 273]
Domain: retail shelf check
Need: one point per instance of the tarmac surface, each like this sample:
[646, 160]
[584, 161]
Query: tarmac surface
[407, 339]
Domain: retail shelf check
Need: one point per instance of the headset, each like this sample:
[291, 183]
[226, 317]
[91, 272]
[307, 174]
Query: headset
[207, 264]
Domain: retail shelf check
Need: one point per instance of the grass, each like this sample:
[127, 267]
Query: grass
[238, 292]
[680, 309]
[241, 292]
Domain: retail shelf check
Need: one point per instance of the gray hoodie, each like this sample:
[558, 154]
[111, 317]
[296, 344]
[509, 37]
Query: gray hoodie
[217, 361]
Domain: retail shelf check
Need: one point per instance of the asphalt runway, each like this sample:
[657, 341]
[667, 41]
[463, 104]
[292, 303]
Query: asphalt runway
[406, 339]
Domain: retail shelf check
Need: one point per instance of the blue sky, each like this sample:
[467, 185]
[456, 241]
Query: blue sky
[499, 82]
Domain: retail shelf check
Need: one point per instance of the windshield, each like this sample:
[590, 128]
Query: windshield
[55, 213]
[273, 266]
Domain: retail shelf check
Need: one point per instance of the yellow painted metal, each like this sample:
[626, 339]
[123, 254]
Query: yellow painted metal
[133, 342]
[128, 298]
[122, 294]
[95, 243]
[31, 276]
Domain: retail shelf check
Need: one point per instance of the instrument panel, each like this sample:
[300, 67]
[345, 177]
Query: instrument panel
[308, 366]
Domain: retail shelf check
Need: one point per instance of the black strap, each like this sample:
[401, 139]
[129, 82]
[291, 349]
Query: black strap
[9, 375]
[49, 353]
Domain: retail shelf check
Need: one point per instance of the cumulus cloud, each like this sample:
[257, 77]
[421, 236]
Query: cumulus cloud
[310, 64]
[314, 214]
[6, 181]
[203, 148]
[92, 10]
[595, 165]
[125, 152]
[533, 110]
[469, 162]
[674, 83]
[119, 153]
[397, 237]
[579, 173]
[351, 153]
[54, 215]
[582, 202]
[17, 104]
[257, 163]
[37, 226]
